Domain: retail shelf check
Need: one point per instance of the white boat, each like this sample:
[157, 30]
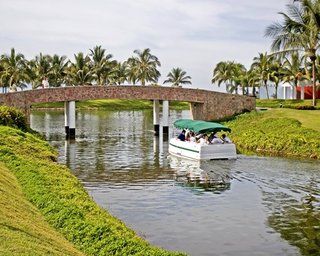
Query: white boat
[199, 151]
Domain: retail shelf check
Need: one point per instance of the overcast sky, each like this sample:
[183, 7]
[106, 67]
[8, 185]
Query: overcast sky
[192, 34]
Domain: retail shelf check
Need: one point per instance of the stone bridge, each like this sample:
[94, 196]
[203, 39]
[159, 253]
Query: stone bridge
[204, 104]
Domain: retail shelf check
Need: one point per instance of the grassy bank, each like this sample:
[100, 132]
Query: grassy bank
[23, 230]
[275, 133]
[111, 104]
[62, 200]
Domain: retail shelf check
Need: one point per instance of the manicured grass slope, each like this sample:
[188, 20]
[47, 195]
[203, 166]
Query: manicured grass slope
[307, 118]
[275, 103]
[262, 134]
[63, 201]
[23, 230]
[110, 104]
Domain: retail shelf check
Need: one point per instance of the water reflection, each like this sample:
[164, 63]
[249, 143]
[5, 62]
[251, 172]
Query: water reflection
[201, 175]
[300, 224]
[70, 153]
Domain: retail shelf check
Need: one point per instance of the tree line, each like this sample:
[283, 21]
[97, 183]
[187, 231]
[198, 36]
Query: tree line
[266, 69]
[293, 57]
[96, 68]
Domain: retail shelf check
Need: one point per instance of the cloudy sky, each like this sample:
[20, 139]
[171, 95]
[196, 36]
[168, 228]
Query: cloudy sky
[192, 34]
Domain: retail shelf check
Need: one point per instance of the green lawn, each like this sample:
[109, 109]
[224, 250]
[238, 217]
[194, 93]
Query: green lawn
[23, 230]
[308, 118]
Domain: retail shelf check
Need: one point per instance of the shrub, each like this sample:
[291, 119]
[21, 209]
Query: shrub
[13, 117]
[305, 107]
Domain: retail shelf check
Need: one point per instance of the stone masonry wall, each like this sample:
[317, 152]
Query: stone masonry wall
[205, 105]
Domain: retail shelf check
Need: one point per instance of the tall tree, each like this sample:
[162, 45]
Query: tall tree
[299, 30]
[102, 65]
[177, 77]
[253, 80]
[39, 69]
[293, 70]
[228, 72]
[261, 64]
[14, 70]
[276, 75]
[238, 71]
[143, 67]
[3, 82]
[79, 72]
[58, 72]
[120, 73]
[222, 73]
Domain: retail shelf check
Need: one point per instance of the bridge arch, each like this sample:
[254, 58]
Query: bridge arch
[204, 104]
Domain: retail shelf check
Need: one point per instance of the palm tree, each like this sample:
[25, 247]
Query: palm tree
[222, 73]
[143, 67]
[177, 77]
[13, 74]
[299, 30]
[38, 69]
[131, 74]
[276, 75]
[261, 64]
[102, 65]
[119, 74]
[228, 72]
[293, 70]
[3, 83]
[79, 72]
[253, 80]
[238, 71]
[58, 72]
[317, 68]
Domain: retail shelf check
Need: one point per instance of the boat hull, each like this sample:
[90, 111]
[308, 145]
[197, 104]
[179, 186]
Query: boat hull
[194, 150]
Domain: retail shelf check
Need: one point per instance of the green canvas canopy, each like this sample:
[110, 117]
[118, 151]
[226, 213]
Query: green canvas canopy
[200, 126]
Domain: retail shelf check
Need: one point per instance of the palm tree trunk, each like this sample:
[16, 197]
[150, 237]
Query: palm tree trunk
[314, 102]
[266, 85]
[276, 93]
[295, 89]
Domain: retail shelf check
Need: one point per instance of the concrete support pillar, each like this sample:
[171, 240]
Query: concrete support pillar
[302, 93]
[156, 117]
[66, 118]
[165, 117]
[284, 92]
[72, 120]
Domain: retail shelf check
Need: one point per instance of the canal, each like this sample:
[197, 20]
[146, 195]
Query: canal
[249, 206]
